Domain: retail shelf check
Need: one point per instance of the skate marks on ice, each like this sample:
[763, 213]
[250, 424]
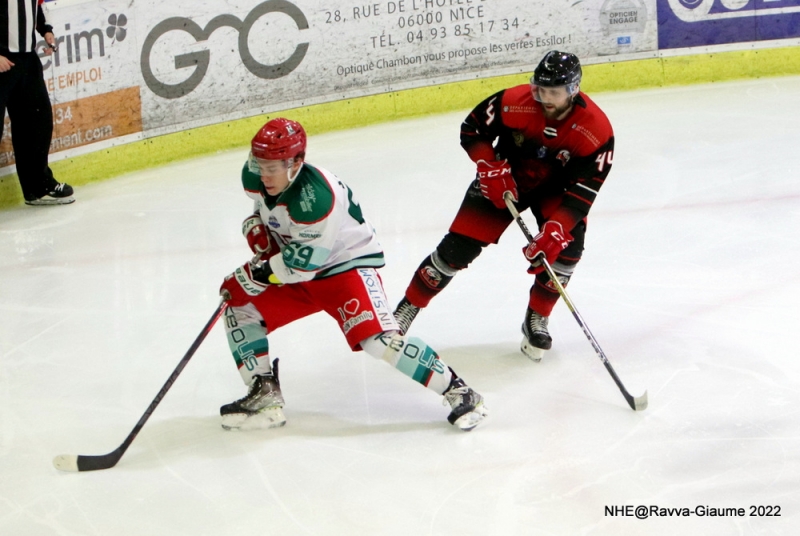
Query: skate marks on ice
[694, 303]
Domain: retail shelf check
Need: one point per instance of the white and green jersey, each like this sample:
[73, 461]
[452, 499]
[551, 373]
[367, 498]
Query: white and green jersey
[318, 224]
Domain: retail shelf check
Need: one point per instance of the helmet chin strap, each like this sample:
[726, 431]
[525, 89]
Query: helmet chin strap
[289, 171]
[289, 175]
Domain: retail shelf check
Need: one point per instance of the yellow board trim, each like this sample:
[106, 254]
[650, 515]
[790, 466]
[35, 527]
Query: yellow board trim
[356, 112]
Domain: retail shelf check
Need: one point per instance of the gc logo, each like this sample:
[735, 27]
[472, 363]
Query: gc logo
[200, 60]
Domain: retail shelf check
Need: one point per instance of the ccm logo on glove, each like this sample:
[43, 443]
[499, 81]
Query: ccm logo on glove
[550, 241]
[495, 180]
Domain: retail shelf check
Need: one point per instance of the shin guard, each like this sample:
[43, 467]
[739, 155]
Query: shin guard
[455, 252]
[412, 357]
[544, 295]
[429, 279]
[247, 338]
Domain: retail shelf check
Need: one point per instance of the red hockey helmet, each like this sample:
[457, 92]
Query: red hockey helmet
[279, 139]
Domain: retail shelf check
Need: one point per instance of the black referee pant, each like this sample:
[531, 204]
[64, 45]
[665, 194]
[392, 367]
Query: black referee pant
[24, 94]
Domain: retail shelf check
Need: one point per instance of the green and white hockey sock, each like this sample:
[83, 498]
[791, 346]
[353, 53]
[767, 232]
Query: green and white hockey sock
[247, 338]
[411, 356]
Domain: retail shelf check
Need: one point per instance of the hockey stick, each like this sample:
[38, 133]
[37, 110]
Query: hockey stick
[74, 463]
[638, 403]
[79, 462]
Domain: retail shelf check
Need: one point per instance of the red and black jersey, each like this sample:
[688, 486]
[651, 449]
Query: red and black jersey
[569, 157]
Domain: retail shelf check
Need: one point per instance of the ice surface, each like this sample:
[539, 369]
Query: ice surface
[689, 282]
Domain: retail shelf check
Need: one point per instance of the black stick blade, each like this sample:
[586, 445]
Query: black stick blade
[74, 463]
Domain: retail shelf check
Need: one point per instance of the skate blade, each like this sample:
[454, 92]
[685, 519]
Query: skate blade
[534, 353]
[470, 420]
[263, 420]
[42, 202]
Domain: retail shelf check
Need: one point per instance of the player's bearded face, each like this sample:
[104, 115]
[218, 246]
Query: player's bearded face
[556, 101]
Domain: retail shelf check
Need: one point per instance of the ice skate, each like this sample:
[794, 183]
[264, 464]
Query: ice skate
[467, 406]
[405, 314]
[536, 339]
[261, 408]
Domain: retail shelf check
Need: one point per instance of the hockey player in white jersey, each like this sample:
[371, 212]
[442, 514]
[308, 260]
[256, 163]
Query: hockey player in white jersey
[317, 253]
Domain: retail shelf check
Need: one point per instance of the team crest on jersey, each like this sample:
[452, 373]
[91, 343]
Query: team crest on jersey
[519, 139]
[550, 132]
[563, 156]
[273, 222]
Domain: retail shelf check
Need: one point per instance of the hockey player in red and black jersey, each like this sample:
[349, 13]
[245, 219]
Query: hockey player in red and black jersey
[552, 147]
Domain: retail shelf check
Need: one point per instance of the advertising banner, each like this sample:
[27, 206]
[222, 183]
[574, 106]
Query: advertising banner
[692, 23]
[142, 68]
[92, 77]
[86, 121]
[228, 57]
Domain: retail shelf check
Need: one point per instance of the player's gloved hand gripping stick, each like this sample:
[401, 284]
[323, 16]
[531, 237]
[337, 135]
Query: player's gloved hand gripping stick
[638, 403]
[79, 462]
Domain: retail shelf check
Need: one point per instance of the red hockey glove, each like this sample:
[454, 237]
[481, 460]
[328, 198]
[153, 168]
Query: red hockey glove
[258, 238]
[496, 179]
[256, 234]
[240, 287]
[550, 241]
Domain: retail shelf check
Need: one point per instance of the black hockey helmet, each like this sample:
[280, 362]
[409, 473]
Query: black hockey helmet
[558, 69]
